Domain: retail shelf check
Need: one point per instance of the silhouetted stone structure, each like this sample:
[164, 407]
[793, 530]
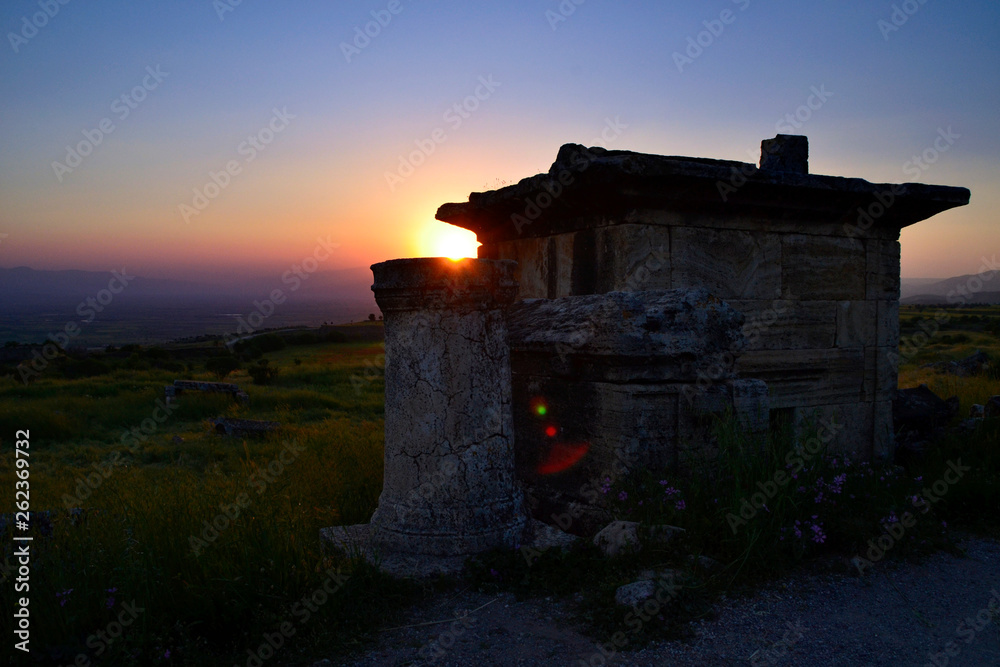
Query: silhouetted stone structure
[172, 391]
[811, 261]
[607, 384]
[651, 293]
[449, 487]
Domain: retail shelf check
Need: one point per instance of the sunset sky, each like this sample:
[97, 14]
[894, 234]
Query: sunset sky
[310, 115]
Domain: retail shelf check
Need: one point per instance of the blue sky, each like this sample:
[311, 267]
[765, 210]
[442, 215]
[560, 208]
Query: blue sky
[323, 174]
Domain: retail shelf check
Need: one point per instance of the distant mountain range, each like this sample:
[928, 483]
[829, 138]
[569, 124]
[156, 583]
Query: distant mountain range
[970, 288]
[35, 304]
[23, 286]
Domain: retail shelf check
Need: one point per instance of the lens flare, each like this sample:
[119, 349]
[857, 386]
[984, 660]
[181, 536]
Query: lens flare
[539, 407]
[563, 456]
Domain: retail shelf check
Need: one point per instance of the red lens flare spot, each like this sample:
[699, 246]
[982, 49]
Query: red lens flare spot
[562, 456]
[551, 431]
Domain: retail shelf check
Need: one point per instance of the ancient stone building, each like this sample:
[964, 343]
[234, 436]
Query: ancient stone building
[811, 261]
[647, 295]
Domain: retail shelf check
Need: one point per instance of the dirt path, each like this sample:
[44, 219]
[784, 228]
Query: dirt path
[897, 615]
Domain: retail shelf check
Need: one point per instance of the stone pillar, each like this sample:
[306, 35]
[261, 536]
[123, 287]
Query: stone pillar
[449, 486]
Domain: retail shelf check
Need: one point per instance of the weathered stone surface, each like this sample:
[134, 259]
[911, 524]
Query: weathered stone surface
[624, 336]
[704, 562]
[886, 374]
[618, 538]
[592, 261]
[882, 274]
[781, 324]
[918, 411]
[449, 488]
[822, 268]
[887, 327]
[603, 384]
[633, 258]
[634, 594]
[806, 377]
[751, 270]
[840, 427]
[786, 152]
[172, 391]
[856, 323]
[612, 183]
[532, 270]
[883, 436]
[542, 536]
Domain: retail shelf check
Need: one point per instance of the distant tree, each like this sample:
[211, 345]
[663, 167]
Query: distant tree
[371, 317]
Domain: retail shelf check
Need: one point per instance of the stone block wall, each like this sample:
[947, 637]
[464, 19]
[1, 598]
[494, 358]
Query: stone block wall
[604, 385]
[812, 261]
[821, 306]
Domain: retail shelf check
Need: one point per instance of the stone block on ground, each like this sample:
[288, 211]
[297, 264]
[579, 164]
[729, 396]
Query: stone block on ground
[618, 538]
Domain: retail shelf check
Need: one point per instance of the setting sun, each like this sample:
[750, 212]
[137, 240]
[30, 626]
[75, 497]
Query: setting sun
[444, 240]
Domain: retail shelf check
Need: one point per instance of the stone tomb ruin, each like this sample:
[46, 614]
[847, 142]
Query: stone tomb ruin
[645, 294]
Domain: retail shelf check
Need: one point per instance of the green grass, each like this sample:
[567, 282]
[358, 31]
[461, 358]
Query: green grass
[136, 538]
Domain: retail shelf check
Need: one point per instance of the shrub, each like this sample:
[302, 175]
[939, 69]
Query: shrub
[222, 366]
[262, 373]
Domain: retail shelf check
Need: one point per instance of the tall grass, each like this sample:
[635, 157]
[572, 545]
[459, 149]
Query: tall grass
[216, 539]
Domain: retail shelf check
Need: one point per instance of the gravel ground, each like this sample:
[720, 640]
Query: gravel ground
[896, 615]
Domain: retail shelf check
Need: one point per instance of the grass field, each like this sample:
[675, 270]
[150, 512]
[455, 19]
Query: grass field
[208, 591]
[215, 539]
